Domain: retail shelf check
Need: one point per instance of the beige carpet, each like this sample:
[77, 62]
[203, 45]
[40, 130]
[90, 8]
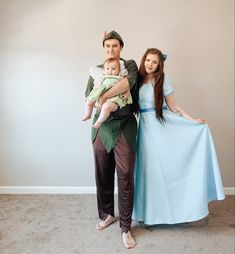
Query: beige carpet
[33, 224]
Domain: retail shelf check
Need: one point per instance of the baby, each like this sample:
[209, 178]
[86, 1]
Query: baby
[104, 79]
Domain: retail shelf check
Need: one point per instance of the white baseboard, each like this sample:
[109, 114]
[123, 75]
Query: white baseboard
[48, 190]
[66, 190]
[229, 190]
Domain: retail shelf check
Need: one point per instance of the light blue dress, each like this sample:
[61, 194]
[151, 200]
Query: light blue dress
[176, 171]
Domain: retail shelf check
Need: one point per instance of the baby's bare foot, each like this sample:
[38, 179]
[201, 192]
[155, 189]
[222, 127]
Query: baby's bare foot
[86, 117]
[96, 125]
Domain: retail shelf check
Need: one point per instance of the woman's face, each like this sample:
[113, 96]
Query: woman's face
[151, 63]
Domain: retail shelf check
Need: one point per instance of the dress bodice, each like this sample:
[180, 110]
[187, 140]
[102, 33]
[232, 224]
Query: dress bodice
[146, 93]
[146, 96]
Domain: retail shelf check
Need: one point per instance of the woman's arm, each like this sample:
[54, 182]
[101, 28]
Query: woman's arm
[174, 107]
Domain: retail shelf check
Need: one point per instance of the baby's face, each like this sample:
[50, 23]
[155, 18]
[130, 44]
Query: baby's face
[111, 68]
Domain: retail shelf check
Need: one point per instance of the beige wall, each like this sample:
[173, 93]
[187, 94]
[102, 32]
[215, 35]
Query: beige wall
[46, 48]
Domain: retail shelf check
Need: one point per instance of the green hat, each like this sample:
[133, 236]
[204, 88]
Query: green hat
[113, 35]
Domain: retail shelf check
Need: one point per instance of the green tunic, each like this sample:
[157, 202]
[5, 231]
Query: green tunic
[122, 120]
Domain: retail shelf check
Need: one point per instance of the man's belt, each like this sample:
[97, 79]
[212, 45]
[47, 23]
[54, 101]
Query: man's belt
[125, 111]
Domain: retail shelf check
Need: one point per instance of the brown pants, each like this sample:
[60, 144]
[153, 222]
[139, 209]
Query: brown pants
[121, 158]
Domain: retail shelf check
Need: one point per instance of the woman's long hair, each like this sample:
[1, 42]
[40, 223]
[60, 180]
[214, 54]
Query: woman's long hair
[158, 77]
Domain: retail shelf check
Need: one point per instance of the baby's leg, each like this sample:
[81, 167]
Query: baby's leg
[106, 109]
[88, 110]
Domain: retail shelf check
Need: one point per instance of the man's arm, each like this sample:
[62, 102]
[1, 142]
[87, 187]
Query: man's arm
[90, 85]
[118, 88]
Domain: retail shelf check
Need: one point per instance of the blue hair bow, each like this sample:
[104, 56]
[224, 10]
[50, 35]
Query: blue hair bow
[164, 56]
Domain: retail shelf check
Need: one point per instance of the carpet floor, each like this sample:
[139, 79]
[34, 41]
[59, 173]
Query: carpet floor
[65, 224]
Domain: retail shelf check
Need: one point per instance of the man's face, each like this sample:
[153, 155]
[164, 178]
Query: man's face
[112, 48]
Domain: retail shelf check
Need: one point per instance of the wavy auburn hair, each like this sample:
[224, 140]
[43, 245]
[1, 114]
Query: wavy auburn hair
[158, 77]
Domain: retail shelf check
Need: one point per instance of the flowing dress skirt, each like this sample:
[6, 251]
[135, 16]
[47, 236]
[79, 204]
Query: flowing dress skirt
[176, 171]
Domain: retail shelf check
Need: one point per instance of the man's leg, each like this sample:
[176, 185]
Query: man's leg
[125, 159]
[104, 172]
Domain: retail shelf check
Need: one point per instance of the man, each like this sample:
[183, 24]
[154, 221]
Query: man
[114, 145]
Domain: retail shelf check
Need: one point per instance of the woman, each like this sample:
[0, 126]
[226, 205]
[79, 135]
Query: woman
[176, 172]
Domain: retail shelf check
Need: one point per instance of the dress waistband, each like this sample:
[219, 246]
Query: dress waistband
[143, 110]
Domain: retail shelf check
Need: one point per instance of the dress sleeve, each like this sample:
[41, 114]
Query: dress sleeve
[167, 86]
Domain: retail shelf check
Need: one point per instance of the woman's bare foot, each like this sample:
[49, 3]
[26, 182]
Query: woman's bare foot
[128, 240]
[105, 223]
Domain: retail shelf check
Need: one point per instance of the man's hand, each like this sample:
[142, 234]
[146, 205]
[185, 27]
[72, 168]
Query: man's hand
[125, 94]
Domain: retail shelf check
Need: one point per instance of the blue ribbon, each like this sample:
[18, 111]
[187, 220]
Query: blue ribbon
[143, 110]
[164, 57]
